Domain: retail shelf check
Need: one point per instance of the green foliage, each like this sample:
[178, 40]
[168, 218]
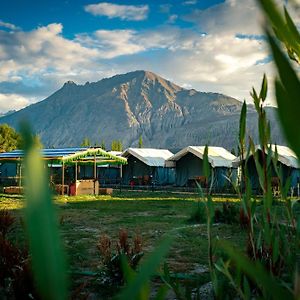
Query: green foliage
[16, 280]
[287, 95]
[198, 214]
[283, 27]
[116, 145]
[271, 288]
[9, 138]
[102, 145]
[228, 215]
[267, 269]
[140, 142]
[112, 273]
[138, 284]
[86, 142]
[48, 259]
[242, 128]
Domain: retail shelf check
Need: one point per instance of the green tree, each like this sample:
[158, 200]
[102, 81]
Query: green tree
[103, 145]
[37, 142]
[116, 145]
[9, 138]
[86, 142]
[140, 142]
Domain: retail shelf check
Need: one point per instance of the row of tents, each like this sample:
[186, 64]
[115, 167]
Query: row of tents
[145, 166]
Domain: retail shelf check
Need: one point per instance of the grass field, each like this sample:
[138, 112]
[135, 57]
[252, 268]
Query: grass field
[83, 219]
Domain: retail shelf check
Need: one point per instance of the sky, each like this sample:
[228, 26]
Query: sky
[211, 46]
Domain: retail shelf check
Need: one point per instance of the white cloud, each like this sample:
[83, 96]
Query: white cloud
[38, 51]
[112, 43]
[211, 63]
[13, 101]
[165, 8]
[229, 17]
[190, 2]
[217, 61]
[8, 25]
[124, 12]
[234, 17]
[172, 19]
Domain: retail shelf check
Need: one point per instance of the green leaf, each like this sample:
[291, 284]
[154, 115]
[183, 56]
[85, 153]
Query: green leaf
[242, 131]
[287, 95]
[246, 287]
[206, 165]
[264, 89]
[135, 287]
[275, 249]
[48, 259]
[162, 292]
[291, 25]
[283, 27]
[258, 274]
[256, 99]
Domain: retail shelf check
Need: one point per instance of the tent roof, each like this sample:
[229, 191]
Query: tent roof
[149, 156]
[217, 156]
[285, 155]
[69, 155]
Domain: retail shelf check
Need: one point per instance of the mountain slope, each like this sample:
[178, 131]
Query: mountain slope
[133, 104]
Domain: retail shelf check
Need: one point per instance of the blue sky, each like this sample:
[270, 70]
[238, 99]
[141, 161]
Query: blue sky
[207, 45]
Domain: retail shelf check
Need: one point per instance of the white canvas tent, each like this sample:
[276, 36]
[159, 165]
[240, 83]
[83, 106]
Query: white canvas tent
[146, 165]
[189, 164]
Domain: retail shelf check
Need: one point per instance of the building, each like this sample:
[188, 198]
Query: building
[188, 164]
[146, 166]
[287, 163]
[76, 167]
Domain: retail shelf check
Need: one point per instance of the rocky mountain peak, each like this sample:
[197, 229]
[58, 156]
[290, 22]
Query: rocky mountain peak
[138, 103]
[69, 83]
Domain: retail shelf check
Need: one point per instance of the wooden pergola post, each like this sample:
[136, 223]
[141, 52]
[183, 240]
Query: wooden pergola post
[76, 170]
[95, 174]
[121, 176]
[20, 174]
[63, 178]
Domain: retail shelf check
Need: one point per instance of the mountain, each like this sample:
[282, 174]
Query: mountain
[7, 113]
[135, 104]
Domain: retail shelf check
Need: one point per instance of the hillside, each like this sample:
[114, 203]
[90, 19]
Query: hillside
[133, 104]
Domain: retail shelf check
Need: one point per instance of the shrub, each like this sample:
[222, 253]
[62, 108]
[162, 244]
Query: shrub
[6, 220]
[15, 275]
[112, 272]
[228, 214]
[198, 214]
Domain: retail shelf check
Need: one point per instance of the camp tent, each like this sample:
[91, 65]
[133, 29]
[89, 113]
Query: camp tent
[189, 166]
[146, 166]
[74, 158]
[287, 162]
[110, 174]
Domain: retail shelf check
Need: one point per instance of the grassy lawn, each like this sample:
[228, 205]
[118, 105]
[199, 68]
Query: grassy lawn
[83, 219]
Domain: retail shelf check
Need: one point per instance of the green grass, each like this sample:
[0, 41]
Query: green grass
[83, 219]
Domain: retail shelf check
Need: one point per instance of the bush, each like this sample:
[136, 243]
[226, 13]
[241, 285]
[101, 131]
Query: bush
[198, 214]
[228, 215]
[112, 273]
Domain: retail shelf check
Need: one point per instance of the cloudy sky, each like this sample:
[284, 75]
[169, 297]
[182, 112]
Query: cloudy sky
[209, 45]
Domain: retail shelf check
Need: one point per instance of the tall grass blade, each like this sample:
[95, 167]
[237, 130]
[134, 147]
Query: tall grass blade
[136, 286]
[242, 129]
[287, 95]
[48, 260]
[258, 274]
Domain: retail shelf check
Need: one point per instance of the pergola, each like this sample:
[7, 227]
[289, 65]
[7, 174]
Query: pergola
[68, 156]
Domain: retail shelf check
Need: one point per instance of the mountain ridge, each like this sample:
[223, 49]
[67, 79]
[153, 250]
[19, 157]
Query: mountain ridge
[138, 103]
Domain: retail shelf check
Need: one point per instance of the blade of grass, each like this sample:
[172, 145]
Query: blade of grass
[257, 273]
[49, 268]
[136, 285]
[287, 95]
